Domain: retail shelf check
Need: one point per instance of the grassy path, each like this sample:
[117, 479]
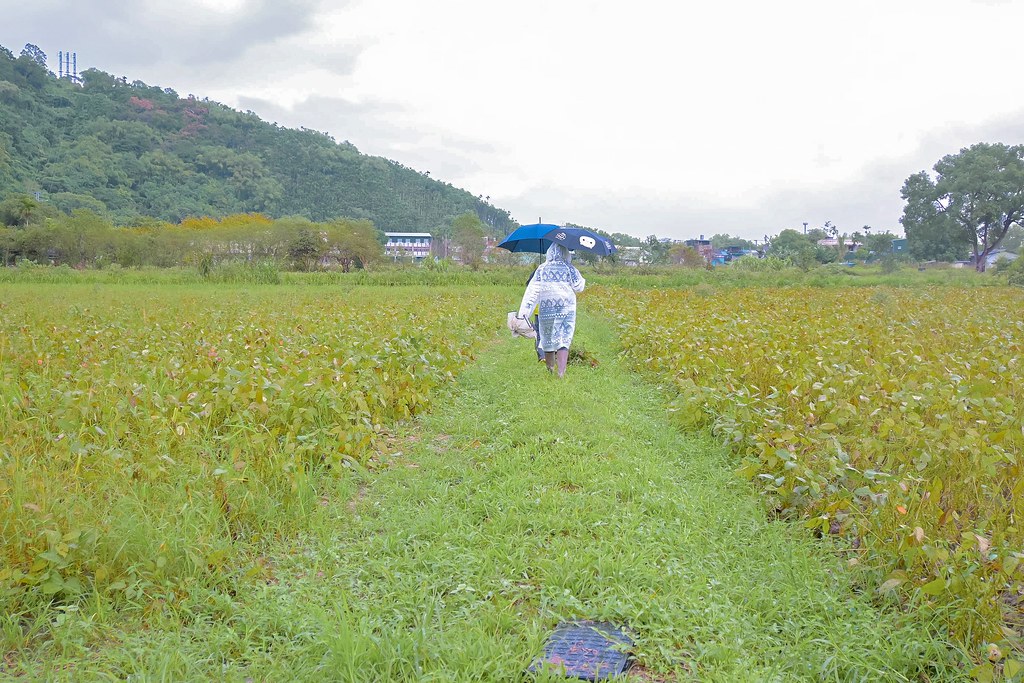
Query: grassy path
[522, 501]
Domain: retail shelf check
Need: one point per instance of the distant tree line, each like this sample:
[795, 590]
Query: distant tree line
[803, 250]
[41, 233]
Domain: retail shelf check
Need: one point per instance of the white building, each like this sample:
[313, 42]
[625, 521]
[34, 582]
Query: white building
[850, 245]
[405, 244]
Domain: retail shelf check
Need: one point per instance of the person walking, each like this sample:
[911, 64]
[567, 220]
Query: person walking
[552, 290]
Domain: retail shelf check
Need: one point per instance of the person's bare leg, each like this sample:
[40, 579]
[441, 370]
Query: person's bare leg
[562, 357]
[549, 360]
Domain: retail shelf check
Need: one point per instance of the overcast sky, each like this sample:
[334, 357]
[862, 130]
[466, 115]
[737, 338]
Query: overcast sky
[669, 117]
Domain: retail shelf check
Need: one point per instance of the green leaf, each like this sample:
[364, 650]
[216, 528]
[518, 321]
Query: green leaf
[52, 585]
[934, 587]
[983, 673]
[52, 556]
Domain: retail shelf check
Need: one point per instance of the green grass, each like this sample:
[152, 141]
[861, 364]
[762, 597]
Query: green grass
[519, 502]
[643, 277]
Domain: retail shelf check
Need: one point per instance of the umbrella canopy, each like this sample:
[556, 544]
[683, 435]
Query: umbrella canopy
[529, 238]
[537, 237]
[581, 239]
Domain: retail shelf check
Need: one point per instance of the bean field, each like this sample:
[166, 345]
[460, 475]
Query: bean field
[328, 480]
[150, 434]
[890, 418]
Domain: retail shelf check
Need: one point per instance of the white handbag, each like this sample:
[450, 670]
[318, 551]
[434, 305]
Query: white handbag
[520, 327]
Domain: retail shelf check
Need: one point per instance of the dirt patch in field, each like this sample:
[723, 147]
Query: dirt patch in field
[639, 673]
[353, 503]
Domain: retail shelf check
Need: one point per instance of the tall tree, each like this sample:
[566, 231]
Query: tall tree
[353, 243]
[796, 248]
[976, 197]
[654, 251]
[687, 257]
[305, 249]
[722, 240]
[468, 234]
[32, 52]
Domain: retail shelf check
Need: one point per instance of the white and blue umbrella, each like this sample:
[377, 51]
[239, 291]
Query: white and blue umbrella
[537, 237]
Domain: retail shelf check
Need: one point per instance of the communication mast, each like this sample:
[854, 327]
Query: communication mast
[67, 66]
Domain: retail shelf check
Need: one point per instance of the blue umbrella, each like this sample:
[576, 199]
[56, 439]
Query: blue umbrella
[529, 238]
[536, 239]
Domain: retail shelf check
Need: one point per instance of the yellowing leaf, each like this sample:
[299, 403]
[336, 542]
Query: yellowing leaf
[983, 543]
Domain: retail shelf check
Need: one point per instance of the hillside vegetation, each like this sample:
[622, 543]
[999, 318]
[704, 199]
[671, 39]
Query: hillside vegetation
[127, 149]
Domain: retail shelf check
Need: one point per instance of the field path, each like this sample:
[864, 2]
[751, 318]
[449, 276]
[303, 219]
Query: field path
[523, 500]
[519, 502]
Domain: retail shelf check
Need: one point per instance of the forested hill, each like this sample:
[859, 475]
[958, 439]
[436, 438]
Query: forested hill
[126, 149]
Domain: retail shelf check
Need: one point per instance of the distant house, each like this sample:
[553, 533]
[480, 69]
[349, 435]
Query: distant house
[630, 256]
[899, 246]
[703, 248]
[833, 242]
[992, 259]
[490, 244]
[407, 244]
[731, 253]
[997, 255]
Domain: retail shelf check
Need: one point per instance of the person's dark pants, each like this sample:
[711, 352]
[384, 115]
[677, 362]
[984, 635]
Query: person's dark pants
[536, 327]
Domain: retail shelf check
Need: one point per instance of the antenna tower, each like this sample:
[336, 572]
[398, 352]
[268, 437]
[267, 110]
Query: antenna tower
[67, 65]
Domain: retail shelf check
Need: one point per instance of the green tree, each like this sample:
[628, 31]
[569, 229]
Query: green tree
[353, 242]
[468, 234]
[17, 210]
[621, 239]
[82, 238]
[654, 251]
[305, 248]
[687, 257]
[7, 242]
[931, 235]
[33, 53]
[1014, 237]
[975, 198]
[722, 240]
[878, 244]
[795, 248]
